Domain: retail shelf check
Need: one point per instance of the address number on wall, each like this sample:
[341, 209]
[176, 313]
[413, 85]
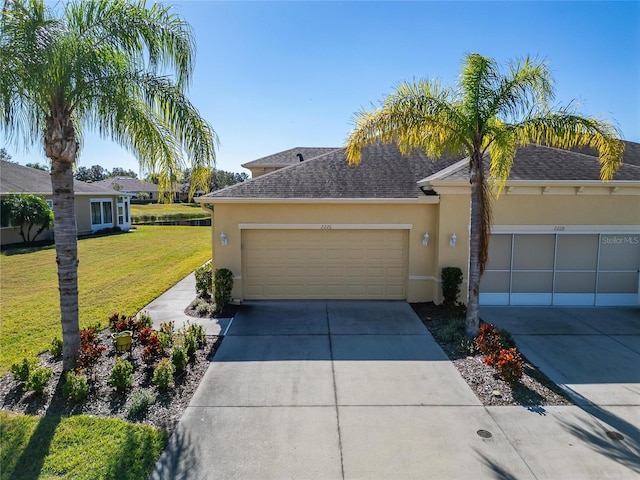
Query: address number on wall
[325, 227]
[559, 228]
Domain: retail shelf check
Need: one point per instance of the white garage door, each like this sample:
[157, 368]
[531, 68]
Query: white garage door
[562, 269]
[325, 264]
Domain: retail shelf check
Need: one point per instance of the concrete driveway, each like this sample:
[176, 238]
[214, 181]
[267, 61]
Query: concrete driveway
[339, 389]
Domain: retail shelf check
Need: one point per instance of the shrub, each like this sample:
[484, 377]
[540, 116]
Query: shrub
[203, 280]
[22, 371]
[488, 341]
[144, 319]
[223, 286]
[451, 281]
[509, 365]
[198, 332]
[163, 374]
[453, 331]
[75, 387]
[166, 334]
[466, 345]
[120, 323]
[90, 349]
[121, 375]
[507, 338]
[179, 358]
[152, 351]
[40, 378]
[56, 347]
[144, 335]
[202, 307]
[139, 402]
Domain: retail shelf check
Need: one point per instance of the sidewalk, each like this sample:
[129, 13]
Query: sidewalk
[171, 304]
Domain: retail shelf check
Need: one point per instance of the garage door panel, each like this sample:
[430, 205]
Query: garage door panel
[325, 264]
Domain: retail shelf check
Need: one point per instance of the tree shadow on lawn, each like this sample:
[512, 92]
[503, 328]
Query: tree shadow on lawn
[31, 460]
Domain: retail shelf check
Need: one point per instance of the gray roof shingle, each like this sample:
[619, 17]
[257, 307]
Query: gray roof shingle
[383, 173]
[536, 162]
[128, 184]
[289, 157]
[16, 178]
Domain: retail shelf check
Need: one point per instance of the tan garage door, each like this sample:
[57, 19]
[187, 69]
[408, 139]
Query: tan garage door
[325, 264]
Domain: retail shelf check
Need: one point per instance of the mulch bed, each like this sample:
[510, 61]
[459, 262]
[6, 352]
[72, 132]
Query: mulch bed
[534, 389]
[103, 400]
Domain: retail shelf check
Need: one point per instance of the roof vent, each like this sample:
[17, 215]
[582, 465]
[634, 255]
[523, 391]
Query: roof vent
[299, 155]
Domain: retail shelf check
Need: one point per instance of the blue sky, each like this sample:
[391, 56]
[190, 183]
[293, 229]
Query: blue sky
[275, 75]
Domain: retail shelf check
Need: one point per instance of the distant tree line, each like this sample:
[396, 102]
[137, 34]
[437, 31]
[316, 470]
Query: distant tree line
[97, 173]
[217, 180]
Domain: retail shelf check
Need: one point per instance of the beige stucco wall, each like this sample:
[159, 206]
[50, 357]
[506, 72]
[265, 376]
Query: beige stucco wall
[593, 210]
[422, 217]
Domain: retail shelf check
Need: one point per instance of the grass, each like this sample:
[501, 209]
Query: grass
[78, 447]
[156, 212]
[118, 273]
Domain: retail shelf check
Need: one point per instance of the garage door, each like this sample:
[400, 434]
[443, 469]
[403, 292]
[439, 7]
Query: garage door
[562, 269]
[325, 264]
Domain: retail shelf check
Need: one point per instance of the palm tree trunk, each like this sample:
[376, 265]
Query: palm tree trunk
[61, 148]
[475, 234]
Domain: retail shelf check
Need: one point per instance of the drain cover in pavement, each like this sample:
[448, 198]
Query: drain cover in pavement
[484, 433]
[614, 435]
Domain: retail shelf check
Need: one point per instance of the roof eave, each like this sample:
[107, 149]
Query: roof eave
[427, 199]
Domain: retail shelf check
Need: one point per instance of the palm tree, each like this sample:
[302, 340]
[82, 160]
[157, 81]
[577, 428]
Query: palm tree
[112, 66]
[486, 116]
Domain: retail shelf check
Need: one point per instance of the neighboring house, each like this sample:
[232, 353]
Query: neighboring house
[133, 187]
[97, 207]
[280, 160]
[384, 229]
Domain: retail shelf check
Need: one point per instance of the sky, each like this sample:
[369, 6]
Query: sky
[270, 76]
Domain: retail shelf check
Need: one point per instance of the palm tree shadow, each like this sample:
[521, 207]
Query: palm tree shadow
[498, 471]
[32, 458]
[177, 459]
[625, 451]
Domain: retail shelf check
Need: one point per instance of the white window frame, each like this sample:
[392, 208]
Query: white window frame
[99, 226]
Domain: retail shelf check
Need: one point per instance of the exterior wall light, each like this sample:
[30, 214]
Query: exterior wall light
[425, 239]
[223, 238]
[452, 242]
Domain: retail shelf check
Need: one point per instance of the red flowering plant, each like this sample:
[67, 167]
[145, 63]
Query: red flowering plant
[489, 342]
[509, 365]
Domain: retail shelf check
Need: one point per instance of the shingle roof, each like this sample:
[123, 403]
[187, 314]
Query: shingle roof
[16, 178]
[383, 173]
[128, 184]
[289, 157]
[545, 163]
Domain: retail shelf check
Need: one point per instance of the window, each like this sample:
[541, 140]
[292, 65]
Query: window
[101, 213]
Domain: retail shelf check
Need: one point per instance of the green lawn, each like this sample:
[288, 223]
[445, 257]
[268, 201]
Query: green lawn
[157, 212]
[118, 273]
[78, 447]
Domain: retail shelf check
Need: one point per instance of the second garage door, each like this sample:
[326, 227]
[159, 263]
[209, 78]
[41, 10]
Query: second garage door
[325, 264]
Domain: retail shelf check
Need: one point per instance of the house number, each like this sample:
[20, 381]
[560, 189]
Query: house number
[558, 228]
[325, 227]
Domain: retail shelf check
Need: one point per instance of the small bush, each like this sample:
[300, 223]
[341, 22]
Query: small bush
[203, 280]
[56, 347]
[22, 371]
[466, 345]
[140, 402]
[166, 334]
[223, 285]
[76, 387]
[179, 358]
[202, 307]
[506, 338]
[144, 319]
[163, 374]
[451, 281]
[121, 375]
[40, 378]
[90, 349]
[453, 331]
[198, 332]
[144, 335]
[152, 351]
[488, 341]
[509, 365]
[120, 323]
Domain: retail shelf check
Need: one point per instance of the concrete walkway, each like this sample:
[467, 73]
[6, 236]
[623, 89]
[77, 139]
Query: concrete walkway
[171, 304]
[360, 390]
